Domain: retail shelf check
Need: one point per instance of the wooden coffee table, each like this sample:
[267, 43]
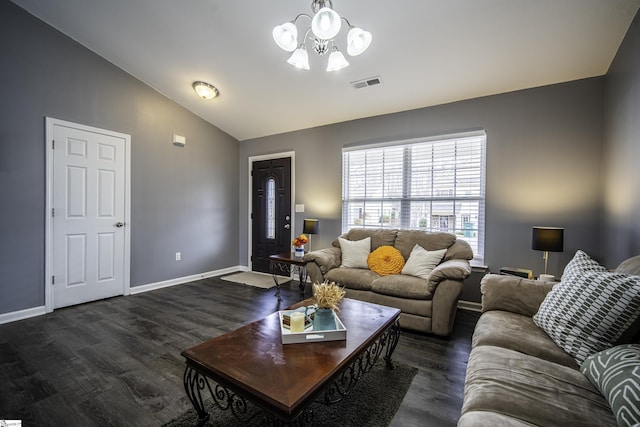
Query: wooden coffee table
[257, 377]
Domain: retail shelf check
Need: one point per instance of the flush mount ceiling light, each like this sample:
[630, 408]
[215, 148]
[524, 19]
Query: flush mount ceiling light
[205, 90]
[325, 26]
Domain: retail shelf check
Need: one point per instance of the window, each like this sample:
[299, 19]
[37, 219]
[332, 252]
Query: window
[271, 209]
[434, 184]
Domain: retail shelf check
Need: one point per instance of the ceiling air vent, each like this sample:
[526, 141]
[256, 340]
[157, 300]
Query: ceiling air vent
[371, 81]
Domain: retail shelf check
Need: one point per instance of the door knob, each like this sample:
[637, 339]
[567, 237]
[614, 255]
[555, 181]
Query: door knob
[119, 224]
[287, 226]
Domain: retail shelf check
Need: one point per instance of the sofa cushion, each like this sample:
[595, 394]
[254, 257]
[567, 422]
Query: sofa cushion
[519, 333]
[587, 313]
[630, 266]
[379, 237]
[403, 286]
[355, 253]
[484, 419]
[354, 278]
[385, 260]
[407, 239]
[514, 294]
[421, 261]
[616, 373]
[532, 390]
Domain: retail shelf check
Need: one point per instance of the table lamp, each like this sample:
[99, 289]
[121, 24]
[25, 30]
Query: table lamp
[310, 227]
[547, 239]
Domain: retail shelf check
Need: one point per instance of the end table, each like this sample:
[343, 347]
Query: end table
[286, 261]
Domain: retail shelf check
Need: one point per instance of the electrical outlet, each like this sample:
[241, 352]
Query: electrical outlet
[178, 256]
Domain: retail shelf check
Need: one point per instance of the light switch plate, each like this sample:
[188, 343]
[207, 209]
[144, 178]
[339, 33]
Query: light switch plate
[299, 208]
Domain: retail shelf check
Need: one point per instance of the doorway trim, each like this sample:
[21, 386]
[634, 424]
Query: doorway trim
[48, 235]
[251, 159]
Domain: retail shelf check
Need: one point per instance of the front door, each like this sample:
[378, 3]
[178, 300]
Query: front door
[271, 211]
[88, 214]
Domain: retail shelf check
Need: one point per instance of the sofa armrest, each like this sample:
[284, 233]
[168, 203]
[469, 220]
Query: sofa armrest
[514, 294]
[454, 269]
[444, 306]
[320, 261]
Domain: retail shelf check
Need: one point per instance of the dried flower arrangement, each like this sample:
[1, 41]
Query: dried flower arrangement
[328, 295]
[300, 240]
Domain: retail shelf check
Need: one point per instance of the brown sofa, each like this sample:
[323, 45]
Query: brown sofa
[426, 305]
[517, 375]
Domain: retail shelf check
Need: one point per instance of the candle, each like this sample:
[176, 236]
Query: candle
[297, 322]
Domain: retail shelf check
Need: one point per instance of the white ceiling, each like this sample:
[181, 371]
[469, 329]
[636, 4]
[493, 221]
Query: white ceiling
[426, 52]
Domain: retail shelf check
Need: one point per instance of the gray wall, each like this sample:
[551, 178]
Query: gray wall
[544, 148]
[622, 150]
[183, 199]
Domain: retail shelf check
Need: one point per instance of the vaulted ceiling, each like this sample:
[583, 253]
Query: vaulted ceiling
[425, 52]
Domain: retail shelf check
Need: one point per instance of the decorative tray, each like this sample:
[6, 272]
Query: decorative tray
[309, 335]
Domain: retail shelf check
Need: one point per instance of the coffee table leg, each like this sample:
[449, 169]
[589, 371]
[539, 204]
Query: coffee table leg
[194, 383]
[393, 338]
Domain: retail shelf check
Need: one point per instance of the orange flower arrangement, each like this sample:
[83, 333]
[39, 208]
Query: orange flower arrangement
[300, 240]
[386, 260]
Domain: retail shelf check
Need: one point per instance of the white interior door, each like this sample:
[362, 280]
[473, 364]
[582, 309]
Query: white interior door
[88, 187]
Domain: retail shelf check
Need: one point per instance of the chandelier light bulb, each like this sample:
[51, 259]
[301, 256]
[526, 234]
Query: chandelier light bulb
[326, 23]
[336, 61]
[358, 41]
[299, 58]
[286, 36]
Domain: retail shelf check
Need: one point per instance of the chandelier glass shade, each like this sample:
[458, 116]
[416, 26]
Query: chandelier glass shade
[325, 26]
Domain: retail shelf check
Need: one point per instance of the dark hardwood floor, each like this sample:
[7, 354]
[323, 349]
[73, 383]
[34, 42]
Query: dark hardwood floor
[117, 362]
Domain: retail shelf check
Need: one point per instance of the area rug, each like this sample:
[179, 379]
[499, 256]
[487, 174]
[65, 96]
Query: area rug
[372, 403]
[255, 278]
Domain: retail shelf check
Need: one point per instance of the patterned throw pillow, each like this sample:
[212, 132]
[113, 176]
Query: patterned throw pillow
[588, 313]
[580, 264]
[616, 373]
[386, 260]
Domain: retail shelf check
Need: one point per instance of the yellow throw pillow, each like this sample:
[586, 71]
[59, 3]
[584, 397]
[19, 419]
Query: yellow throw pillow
[385, 260]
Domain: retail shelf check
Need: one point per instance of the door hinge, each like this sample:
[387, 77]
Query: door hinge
[53, 212]
[251, 215]
[53, 280]
[53, 144]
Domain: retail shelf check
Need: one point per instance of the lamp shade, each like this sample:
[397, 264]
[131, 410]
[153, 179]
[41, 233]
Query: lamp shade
[326, 23]
[547, 239]
[336, 60]
[358, 41]
[286, 36]
[310, 226]
[299, 58]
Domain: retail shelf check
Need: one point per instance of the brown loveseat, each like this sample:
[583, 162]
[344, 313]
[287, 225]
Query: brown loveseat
[427, 305]
[517, 375]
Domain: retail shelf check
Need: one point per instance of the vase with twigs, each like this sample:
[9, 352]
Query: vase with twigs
[328, 296]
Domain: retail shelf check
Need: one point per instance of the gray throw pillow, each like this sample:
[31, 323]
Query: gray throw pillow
[588, 313]
[616, 373]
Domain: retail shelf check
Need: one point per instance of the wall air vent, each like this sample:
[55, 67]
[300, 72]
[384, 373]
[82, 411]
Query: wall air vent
[371, 81]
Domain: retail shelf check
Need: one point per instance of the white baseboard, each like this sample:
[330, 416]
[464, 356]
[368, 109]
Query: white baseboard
[470, 305]
[22, 314]
[39, 311]
[180, 280]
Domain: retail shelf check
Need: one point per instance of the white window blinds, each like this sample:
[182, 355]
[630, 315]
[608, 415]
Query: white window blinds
[429, 184]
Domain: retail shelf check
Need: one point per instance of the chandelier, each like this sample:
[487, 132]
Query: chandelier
[325, 26]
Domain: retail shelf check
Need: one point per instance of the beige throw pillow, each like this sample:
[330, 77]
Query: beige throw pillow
[422, 261]
[355, 253]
